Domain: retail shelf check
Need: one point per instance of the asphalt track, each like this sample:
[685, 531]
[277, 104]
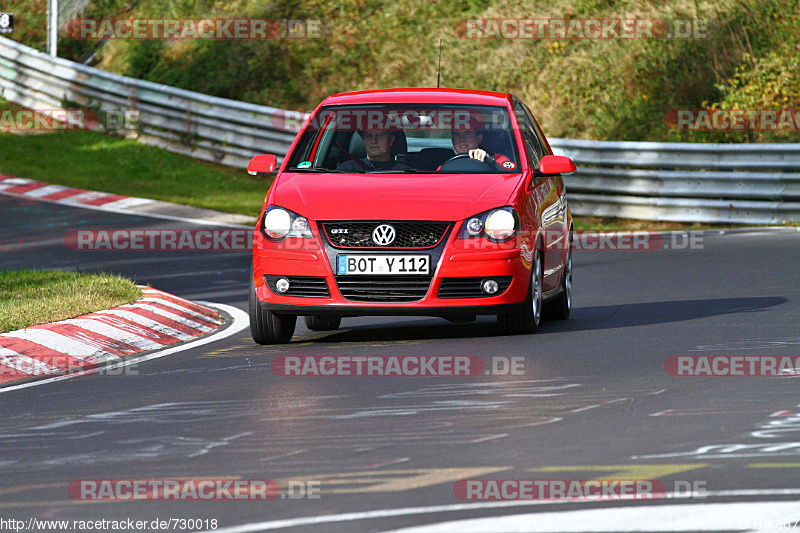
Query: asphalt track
[594, 400]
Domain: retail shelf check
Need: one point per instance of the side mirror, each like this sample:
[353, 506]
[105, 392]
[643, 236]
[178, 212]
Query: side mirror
[555, 164]
[263, 164]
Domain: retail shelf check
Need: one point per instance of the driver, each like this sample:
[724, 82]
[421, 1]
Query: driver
[378, 145]
[467, 140]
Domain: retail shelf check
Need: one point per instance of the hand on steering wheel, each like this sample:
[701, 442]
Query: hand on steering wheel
[489, 160]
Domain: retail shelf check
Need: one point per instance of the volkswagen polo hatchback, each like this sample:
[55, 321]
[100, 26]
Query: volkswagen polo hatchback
[433, 202]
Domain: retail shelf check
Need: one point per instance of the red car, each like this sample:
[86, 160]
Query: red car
[433, 202]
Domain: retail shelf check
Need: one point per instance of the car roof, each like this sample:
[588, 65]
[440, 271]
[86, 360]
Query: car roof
[420, 96]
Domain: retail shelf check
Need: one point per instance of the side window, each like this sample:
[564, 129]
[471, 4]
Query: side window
[532, 145]
[538, 132]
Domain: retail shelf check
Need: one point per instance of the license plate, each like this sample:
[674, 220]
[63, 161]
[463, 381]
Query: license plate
[383, 264]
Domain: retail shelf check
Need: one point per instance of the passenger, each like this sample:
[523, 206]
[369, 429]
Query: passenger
[378, 145]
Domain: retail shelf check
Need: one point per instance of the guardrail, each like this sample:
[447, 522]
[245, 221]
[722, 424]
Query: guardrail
[201, 126]
[687, 182]
[746, 183]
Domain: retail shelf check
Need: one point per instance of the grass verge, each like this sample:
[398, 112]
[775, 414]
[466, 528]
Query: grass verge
[99, 162]
[30, 297]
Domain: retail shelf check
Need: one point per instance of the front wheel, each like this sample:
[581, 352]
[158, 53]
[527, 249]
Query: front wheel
[527, 319]
[267, 327]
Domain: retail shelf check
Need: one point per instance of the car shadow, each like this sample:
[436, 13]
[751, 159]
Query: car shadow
[590, 318]
[651, 313]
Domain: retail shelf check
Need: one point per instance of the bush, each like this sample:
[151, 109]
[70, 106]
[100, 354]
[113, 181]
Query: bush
[599, 89]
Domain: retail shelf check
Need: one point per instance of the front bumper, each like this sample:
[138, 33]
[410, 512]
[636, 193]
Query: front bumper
[383, 310]
[452, 258]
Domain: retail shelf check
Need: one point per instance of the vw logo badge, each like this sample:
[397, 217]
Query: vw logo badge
[383, 235]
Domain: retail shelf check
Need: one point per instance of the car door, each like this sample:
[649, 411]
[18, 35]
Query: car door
[561, 190]
[545, 196]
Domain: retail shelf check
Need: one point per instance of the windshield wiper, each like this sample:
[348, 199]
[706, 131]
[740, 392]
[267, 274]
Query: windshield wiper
[402, 171]
[317, 169]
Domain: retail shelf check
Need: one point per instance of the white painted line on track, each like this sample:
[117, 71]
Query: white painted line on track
[489, 437]
[742, 516]
[123, 210]
[408, 511]
[240, 320]
[581, 409]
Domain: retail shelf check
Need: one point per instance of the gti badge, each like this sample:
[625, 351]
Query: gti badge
[383, 235]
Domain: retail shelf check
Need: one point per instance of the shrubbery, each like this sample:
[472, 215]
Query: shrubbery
[598, 89]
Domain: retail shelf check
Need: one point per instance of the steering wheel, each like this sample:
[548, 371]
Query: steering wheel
[467, 163]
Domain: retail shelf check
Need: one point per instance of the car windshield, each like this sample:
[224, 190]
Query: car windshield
[407, 138]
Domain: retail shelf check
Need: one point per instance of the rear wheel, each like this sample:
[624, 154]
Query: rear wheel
[561, 306]
[527, 319]
[267, 327]
[323, 323]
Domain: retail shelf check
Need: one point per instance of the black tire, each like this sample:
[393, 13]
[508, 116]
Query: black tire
[323, 323]
[529, 317]
[560, 307]
[267, 327]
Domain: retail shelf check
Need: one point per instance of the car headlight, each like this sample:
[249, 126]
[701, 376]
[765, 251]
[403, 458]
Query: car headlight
[497, 225]
[279, 223]
[500, 225]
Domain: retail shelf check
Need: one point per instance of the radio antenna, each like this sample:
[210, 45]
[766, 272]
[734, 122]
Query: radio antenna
[439, 71]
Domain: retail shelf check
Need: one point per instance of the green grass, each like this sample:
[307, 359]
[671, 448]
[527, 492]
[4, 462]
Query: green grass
[30, 297]
[91, 160]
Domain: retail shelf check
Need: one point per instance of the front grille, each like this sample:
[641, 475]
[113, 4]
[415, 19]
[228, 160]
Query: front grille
[307, 286]
[471, 287]
[383, 288]
[408, 234]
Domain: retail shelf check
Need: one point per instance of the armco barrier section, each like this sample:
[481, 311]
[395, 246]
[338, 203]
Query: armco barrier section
[692, 182]
[688, 182]
[201, 126]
